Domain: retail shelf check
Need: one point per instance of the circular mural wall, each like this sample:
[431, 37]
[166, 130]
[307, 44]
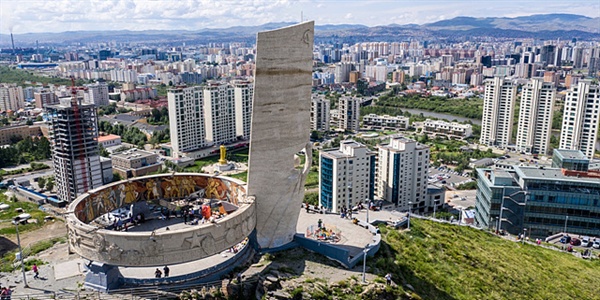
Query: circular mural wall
[160, 245]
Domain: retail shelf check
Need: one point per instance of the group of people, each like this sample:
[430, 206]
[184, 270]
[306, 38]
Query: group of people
[158, 273]
[346, 213]
[204, 214]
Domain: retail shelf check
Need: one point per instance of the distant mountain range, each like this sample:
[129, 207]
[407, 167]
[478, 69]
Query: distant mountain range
[548, 26]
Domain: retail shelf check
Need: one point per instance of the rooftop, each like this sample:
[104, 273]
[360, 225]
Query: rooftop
[133, 153]
[572, 154]
[555, 174]
[108, 137]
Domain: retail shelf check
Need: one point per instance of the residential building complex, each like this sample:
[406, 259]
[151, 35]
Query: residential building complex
[349, 113]
[214, 114]
[386, 122]
[581, 118]
[134, 162]
[74, 139]
[402, 168]
[319, 113]
[346, 176]
[535, 116]
[498, 106]
[448, 129]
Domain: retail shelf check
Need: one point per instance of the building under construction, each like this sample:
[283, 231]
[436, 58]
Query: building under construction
[75, 152]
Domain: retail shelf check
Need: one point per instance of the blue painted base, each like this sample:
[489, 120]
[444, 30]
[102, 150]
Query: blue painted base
[102, 277]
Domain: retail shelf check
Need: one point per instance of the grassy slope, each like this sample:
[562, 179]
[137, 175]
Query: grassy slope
[450, 262]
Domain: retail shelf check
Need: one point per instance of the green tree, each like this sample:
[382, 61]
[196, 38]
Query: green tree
[103, 151]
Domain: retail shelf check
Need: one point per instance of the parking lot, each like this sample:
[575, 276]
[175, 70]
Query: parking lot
[448, 177]
[593, 243]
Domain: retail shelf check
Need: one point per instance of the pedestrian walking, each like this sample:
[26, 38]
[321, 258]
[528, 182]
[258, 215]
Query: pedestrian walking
[388, 278]
[166, 271]
[157, 273]
[36, 271]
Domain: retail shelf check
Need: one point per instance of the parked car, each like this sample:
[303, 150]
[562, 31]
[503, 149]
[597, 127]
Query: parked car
[586, 242]
[565, 239]
[596, 244]
[575, 242]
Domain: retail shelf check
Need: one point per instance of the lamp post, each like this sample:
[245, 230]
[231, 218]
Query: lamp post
[566, 219]
[524, 235]
[364, 278]
[409, 209]
[368, 208]
[16, 221]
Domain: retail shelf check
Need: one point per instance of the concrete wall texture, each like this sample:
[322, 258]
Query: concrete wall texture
[280, 128]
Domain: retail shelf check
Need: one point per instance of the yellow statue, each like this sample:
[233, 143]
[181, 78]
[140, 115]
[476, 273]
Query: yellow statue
[222, 160]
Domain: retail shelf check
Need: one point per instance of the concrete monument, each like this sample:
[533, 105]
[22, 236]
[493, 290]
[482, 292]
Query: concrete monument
[280, 129]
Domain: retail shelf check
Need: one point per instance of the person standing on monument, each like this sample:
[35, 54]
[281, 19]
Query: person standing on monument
[157, 273]
[166, 271]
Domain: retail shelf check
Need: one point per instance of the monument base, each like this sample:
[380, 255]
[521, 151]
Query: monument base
[102, 277]
[225, 167]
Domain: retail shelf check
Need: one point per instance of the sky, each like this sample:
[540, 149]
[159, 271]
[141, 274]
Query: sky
[25, 16]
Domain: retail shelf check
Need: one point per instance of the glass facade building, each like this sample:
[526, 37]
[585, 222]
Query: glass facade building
[542, 200]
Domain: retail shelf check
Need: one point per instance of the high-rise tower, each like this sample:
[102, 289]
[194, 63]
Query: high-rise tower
[580, 118]
[498, 106]
[75, 154]
[535, 116]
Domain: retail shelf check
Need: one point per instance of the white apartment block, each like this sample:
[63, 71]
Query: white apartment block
[186, 119]
[349, 113]
[498, 106]
[244, 93]
[449, 129]
[219, 113]
[346, 176]
[11, 97]
[581, 118]
[386, 121]
[97, 94]
[402, 174]
[319, 113]
[535, 116]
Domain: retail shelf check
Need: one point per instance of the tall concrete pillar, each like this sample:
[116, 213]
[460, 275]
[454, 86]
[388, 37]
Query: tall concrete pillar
[280, 129]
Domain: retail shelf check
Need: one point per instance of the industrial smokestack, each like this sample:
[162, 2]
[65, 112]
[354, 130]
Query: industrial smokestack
[13, 42]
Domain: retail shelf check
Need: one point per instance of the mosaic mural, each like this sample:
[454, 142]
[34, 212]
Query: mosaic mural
[153, 189]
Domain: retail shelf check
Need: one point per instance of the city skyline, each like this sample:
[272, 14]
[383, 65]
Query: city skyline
[37, 16]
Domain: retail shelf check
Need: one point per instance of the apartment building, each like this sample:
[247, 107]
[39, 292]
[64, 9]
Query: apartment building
[349, 113]
[386, 122]
[535, 116]
[402, 167]
[319, 113]
[448, 129]
[186, 119]
[498, 106]
[11, 97]
[581, 117]
[346, 176]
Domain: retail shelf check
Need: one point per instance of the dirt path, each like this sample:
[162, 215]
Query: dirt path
[52, 229]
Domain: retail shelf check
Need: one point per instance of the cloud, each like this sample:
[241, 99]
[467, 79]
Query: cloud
[24, 16]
